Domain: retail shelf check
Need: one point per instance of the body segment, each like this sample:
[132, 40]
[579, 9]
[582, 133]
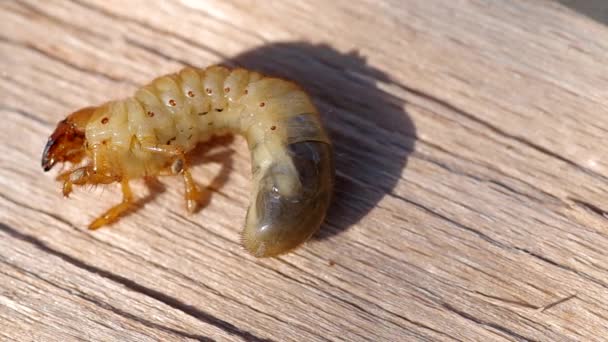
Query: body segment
[151, 134]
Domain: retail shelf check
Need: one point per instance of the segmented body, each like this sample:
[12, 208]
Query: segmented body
[186, 108]
[149, 133]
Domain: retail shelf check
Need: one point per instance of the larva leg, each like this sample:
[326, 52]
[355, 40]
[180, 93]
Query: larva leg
[80, 176]
[193, 194]
[67, 184]
[113, 213]
[180, 165]
[69, 177]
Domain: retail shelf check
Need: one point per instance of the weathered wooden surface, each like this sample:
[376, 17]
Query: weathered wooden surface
[472, 175]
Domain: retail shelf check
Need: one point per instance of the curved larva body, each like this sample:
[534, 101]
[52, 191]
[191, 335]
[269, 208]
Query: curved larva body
[152, 132]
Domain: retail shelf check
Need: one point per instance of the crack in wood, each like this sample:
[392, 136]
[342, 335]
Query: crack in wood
[406, 319]
[102, 304]
[492, 168]
[590, 207]
[157, 52]
[564, 267]
[59, 22]
[522, 304]
[361, 308]
[497, 130]
[27, 115]
[120, 18]
[557, 302]
[455, 223]
[224, 22]
[67, 63]
[275, 317]
[500, 244]
[510, 302]
[487, 324]
[134, 286]
[24, 85]
[481, 179]
[159, 266]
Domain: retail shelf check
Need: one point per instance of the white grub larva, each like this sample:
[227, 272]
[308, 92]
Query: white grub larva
[152, 133]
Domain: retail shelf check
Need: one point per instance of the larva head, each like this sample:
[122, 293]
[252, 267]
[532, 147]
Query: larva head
[66, 144]
[277, 223]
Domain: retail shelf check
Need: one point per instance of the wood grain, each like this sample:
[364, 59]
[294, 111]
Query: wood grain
[471, 175]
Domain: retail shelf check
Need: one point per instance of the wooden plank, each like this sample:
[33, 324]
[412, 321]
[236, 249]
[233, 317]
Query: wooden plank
[470, 192]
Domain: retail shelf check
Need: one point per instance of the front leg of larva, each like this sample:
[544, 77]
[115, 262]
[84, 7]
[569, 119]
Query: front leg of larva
[70, 177]
[81, 176]
[85, 175]
[116, 211]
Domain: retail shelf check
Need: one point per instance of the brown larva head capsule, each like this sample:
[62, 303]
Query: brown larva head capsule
[279, 223]
[66, 144]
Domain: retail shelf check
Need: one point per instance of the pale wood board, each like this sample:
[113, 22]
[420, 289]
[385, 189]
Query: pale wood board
[471, 192]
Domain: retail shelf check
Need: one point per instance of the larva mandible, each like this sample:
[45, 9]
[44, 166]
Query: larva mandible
[151, 134]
